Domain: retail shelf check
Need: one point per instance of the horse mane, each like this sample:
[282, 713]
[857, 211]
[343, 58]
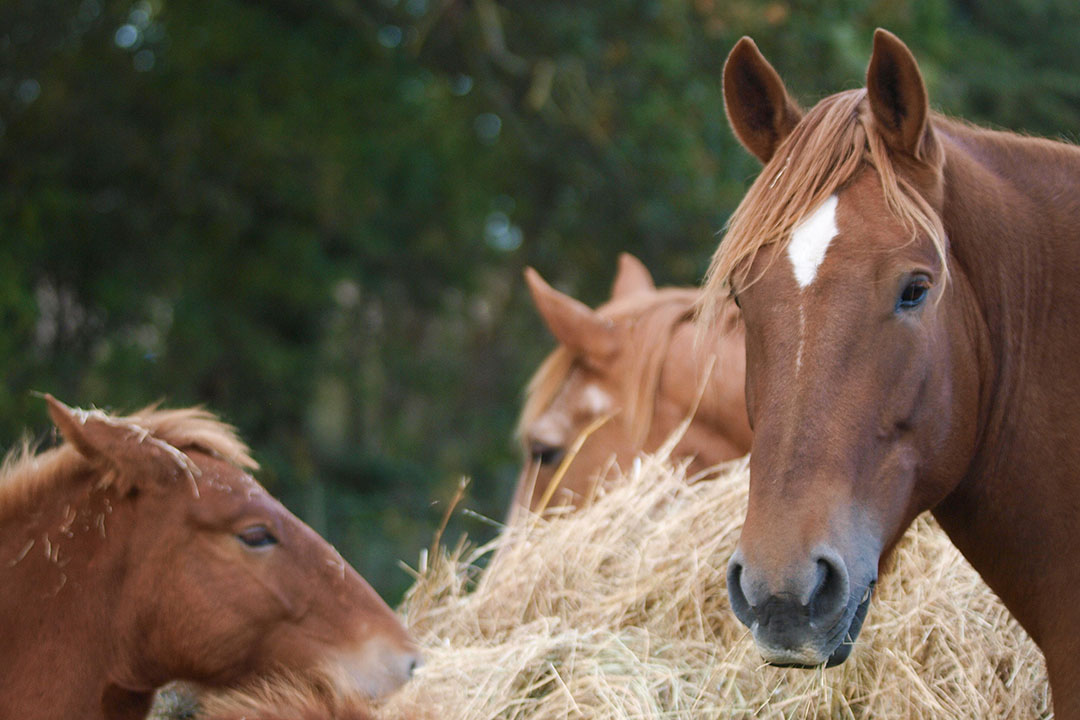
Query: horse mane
[284, 697]
[26, 473]
[824, 152]
[653, 318]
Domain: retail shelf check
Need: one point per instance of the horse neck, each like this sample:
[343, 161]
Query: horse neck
[1010, 214]
[59, 582]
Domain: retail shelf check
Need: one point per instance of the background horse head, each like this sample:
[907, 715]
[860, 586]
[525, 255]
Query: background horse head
[141, 551]
[906, 283]
[632, 366]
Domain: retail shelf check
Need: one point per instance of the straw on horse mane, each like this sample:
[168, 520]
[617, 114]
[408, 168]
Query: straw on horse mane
[821, 155]
[25, 473]
[654, 316]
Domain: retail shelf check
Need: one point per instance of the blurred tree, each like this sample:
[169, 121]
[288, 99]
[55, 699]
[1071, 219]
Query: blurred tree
[312, 215]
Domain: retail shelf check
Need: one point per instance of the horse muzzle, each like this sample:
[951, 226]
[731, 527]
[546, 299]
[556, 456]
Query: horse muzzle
[378, 670]
[809, 616]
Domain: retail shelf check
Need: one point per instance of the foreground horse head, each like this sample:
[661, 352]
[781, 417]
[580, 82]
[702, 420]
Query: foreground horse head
[141, 551]
[863, 402]
[906, 283]
[627, 374]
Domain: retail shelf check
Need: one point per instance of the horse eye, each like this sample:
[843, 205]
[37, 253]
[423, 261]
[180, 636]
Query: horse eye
[545, 454]
[257, 536]
[914, 293]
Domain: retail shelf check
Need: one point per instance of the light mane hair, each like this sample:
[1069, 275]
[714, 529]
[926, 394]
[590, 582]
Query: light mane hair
[829, 146]
[316, 696]
[27, 474]
[652, 318]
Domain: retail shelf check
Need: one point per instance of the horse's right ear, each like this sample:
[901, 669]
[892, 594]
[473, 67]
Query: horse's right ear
[758, 106]
[116, 444]
[573, 323]
[79, 428]
[897, 95]
[631, 277]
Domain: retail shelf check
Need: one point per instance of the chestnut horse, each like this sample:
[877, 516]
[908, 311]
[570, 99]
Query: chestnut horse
[141, 551]
[908, 284]
[633, 361]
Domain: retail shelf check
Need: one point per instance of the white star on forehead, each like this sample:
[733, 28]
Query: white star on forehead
[810, 239]
[596, 400]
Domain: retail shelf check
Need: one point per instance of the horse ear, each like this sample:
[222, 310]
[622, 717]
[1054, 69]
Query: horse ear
[897, 94]
[572, 322]
[631, 277]
[115, 443]
[81, 429]
[758, 106]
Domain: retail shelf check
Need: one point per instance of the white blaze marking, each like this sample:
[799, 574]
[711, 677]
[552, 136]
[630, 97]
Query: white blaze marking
[596, 400]
[802, 338]
[550, 429]
[809, 241]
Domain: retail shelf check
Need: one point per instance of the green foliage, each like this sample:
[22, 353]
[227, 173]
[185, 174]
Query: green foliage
[313, 216]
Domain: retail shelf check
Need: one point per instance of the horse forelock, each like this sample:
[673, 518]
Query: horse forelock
[26, 472]
[198, 429]
[653, 317]
[543, 386]
[824, 153]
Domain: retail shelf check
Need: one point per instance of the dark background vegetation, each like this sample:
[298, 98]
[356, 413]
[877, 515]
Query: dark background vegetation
[312, 215]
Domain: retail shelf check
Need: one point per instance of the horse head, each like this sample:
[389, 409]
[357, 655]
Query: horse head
[211, 579]
[625, 377]
[861, 389]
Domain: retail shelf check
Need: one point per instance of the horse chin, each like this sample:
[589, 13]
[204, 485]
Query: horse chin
[843, 650]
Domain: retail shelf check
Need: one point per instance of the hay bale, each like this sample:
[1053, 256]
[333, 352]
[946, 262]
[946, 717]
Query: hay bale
[620, 610]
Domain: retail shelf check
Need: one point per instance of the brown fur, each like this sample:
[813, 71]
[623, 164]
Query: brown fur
[650, 370]
[122, 567]
[867, 412]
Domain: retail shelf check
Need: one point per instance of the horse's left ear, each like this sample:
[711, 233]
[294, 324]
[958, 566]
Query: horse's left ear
[631, 277]
[898, 96]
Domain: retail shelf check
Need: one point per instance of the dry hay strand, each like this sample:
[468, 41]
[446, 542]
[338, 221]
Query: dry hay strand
[619, 610]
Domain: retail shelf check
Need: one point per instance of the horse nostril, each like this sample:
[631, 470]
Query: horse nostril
[829, 595]
[740, 605]
[414, 664]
